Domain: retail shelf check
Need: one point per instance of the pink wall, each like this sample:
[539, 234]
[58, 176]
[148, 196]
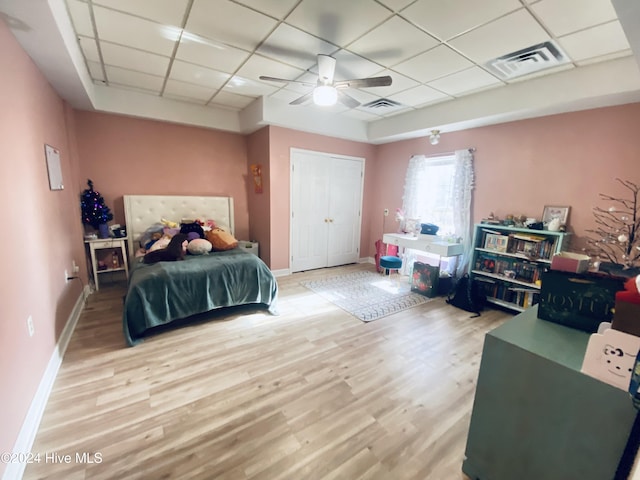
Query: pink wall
[282, 140]
[42, 234]
[131, 156]
[260, 203]
[522, 166]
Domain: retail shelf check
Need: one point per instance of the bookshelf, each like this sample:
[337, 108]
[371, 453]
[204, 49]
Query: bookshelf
[508, 262]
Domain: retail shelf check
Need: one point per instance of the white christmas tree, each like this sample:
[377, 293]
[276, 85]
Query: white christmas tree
[616, 238]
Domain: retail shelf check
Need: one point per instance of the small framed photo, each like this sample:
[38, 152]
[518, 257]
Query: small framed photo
[495, 242]
[550, 212]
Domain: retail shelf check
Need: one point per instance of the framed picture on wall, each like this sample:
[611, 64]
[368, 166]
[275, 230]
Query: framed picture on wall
[551, 211]
[53, 167]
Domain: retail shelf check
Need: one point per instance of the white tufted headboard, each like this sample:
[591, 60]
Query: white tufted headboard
[142, 211]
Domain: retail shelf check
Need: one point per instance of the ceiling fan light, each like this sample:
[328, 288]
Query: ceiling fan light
[434, 138]
[325, 95]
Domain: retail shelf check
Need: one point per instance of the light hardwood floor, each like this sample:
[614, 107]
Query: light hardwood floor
[313, 393]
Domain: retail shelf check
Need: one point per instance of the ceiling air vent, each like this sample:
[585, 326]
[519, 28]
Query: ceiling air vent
[528, 60]
[382, 103]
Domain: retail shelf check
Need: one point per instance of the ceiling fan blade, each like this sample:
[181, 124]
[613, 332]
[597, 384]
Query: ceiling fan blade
[283, 80]
[326, 69]
[347, 100]
[384, 81]
[302, 99]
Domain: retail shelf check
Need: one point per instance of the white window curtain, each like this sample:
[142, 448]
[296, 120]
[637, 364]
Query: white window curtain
[438, 190]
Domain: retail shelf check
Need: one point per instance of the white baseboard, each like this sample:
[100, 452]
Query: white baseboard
[367, 260]
[31, 423]
[281, 273]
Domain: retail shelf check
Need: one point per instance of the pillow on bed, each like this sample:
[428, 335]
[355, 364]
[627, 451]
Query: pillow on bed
[221, 240]
[199, 246]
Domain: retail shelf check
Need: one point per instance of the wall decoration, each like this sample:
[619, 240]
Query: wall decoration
[552, 212]
[53, 167]
[256, 172]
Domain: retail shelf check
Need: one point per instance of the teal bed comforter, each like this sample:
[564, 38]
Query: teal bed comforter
[161, 293]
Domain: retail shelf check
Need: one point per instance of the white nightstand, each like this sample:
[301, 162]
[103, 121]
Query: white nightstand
[251, 247]
[118, 245]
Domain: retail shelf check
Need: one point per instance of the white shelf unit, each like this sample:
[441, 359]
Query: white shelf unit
[519, 287]
[117, 245]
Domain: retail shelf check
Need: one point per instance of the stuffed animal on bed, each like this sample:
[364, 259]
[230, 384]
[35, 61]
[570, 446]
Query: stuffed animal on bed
[192, 227]
[174, 251]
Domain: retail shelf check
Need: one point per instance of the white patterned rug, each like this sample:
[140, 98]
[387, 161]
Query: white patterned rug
[367, 295]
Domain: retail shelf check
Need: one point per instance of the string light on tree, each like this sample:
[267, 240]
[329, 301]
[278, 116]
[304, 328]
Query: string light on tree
[616, 237]
[94, 210]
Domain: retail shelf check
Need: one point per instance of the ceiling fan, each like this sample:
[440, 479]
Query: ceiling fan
[327, 91]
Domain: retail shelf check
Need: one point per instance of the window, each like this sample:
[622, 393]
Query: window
[431, 200]
[438, 190]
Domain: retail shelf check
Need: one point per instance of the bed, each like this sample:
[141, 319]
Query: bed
[165, 292]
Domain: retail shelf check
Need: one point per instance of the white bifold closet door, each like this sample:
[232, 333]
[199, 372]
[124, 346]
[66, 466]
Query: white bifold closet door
[326, 209]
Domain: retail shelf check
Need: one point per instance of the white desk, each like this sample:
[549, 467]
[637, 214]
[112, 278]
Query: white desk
[425, 243]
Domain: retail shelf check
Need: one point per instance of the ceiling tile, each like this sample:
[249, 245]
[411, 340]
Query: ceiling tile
[89, 49]
[245, 86]
[121, 76]
[167, 12]
[504, 35]
[399, 83]
[338, 21]
[81, 17]
[95, 70]
[258, 65]
[433, 64]
[190, 73]
[134, 59]
[467, 81]
[205, 52]
[286, 95]
[133, 31]
[350, 65]
[418, 96]
[396, 5]
[446, 19]
[232, 100]
[596, 41]
[298, 88]
[294, 47]
[229, 23]
[179, 89]
[274, 8]
[566, 16]
[408, 41]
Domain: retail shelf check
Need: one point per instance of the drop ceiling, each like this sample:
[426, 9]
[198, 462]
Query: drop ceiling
[454, 63]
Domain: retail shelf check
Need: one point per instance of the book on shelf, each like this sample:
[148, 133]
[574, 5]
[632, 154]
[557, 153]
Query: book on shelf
[510, 268]
[529, 237]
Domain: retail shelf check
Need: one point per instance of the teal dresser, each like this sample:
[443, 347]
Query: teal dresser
[536, 416]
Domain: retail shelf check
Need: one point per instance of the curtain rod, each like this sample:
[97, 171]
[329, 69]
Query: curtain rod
[471, 150]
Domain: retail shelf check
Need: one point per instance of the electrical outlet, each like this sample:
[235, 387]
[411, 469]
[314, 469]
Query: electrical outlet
[30, 326]
[386, 212]
[66, 277]
[76, 267]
